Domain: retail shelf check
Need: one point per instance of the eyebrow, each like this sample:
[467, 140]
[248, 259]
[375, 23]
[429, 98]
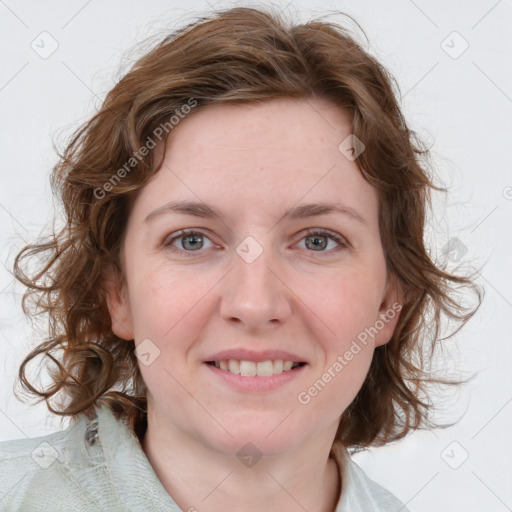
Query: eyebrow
[202, 210]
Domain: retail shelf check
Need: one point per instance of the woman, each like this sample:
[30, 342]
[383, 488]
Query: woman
[241, 290]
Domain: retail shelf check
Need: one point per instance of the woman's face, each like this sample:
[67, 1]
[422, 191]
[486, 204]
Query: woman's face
[250, 285]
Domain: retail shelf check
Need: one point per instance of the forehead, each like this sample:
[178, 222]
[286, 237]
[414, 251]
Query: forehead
[263, 156]
[280, 125]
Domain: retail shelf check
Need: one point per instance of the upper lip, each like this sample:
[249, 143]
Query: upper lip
[256, 356]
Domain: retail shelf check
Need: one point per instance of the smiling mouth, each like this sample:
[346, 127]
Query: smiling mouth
[256, 369]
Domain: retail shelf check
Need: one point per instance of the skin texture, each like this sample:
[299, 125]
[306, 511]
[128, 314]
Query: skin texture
[252, 162]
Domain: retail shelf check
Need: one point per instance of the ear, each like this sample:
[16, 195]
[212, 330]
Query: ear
[118, 304]
[389, 312]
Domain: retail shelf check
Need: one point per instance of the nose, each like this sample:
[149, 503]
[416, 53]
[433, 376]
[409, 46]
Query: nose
[255, 293]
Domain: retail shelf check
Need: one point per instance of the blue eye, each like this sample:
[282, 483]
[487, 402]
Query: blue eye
[193, 241]
[316, 236]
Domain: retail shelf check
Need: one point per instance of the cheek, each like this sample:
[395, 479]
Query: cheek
[349, 307]
[167, 309]
[347, 352]
[348, 304]
[161, 301]
[345, 378]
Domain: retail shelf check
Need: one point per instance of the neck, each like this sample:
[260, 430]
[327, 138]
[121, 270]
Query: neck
[198, 478]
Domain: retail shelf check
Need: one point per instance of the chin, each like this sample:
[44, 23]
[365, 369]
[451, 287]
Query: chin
[266, 436]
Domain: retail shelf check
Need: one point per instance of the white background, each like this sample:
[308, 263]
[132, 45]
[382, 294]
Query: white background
[461, 105]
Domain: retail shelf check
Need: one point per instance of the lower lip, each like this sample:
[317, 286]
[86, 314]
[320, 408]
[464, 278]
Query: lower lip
[256, 384]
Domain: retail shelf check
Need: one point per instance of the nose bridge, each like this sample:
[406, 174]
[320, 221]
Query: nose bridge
[254, 293]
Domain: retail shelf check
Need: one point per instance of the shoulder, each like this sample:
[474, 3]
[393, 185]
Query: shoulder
[359, 493]
[96, 464]
[44, 473]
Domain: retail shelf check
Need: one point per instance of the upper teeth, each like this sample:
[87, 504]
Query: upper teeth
[251, 368]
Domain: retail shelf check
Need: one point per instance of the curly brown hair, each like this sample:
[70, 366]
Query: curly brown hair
[239, 55]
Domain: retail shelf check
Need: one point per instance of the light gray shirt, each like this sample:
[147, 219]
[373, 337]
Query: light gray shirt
[97, 464]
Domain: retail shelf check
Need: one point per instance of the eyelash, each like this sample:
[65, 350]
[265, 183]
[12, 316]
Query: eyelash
[341, 241]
